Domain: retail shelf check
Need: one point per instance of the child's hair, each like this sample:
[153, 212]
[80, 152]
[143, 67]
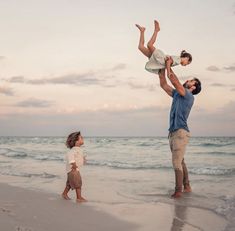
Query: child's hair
[71, 139]
[185, 54]
[198, 87]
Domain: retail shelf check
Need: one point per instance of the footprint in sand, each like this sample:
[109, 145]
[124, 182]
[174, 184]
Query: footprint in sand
[18, 228]
[7, 211]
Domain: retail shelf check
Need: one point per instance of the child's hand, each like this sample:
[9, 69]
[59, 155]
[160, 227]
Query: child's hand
[169, 60]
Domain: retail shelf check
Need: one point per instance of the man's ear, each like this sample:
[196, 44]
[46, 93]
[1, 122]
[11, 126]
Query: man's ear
[192, 88]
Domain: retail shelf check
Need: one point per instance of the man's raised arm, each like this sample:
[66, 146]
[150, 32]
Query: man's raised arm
[163, 83]
[173, 78]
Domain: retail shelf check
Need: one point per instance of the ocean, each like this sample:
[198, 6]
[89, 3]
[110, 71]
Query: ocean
[138, 168]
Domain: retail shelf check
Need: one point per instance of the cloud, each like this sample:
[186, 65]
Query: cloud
[72, 79]
[141, 86]
[218, 85]
[2, 57]
[98, 77]
[120, 66]
[230, 68]
[6, 91]
[220, 122]
[17, 79]
[127, 122]
[147, 121]
[213, 68]
[233, 89]
[32, 102]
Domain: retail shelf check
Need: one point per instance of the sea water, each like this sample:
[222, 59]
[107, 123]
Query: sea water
[139, 168]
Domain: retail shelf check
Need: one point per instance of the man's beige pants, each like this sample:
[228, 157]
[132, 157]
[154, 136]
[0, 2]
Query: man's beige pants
[178, 141]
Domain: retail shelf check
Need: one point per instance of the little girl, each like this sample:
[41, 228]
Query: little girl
[74, 160]
[157, 57]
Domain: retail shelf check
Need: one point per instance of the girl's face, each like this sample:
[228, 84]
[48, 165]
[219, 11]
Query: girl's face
[80, 141]
[184, 61]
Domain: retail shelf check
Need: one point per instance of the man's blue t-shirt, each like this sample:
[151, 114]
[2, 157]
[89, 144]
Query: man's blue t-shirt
[180, 109]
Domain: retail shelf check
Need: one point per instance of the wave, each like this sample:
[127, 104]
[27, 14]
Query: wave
[216, 171]
[216, 144]
[21, 154]
[48, 158]
[29, 175]
[216, 153]
[12, 153]
[131, 166]
[211, 171]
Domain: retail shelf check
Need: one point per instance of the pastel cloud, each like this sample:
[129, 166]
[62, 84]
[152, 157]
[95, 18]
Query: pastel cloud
[36, 103]
[6, 91]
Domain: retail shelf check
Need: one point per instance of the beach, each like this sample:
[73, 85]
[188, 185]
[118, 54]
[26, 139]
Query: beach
[124, 191]
[28, 210]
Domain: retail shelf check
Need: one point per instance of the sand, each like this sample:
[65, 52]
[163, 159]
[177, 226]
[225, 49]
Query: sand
[29, 210]
[26, 210]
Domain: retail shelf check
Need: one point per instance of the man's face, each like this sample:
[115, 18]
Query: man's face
[189, 83]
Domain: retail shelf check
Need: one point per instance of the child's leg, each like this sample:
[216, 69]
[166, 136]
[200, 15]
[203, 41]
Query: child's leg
[65, 193]
[141, 46]
[151, 42]
[79, 195]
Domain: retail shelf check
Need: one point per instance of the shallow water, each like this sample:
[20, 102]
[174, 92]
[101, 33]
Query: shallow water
[136, 168]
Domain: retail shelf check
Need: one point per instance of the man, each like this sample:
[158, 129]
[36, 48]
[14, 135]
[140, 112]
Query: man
[178, 131]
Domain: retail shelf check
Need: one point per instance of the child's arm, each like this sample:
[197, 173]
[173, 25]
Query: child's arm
[163, 83]
[173, 78]
[74, 166]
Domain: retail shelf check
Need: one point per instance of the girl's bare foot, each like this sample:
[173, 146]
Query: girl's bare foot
[156, 25]
[65, 197]
[142, 29]
[79, 200]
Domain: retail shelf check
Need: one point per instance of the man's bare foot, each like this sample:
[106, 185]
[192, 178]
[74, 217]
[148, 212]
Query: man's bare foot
[187, 189]
[176, 195]
[65, 197]
[156, 25]
[142, 29]
[79, 200]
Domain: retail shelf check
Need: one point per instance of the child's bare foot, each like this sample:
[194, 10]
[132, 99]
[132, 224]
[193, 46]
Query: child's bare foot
[65, 196]
[187, 189]
[156, 25]
[176, 195]
[142, 29]
[79, 200]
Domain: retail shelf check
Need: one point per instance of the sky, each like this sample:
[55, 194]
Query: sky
[68, 65]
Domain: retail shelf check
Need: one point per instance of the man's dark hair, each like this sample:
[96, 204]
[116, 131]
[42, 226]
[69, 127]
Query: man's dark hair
[198, 86]
[71, 139]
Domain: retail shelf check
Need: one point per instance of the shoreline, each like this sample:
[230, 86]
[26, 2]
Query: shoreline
[30, 210]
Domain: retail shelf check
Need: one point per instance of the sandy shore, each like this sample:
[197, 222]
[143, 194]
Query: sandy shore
[28, 210]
